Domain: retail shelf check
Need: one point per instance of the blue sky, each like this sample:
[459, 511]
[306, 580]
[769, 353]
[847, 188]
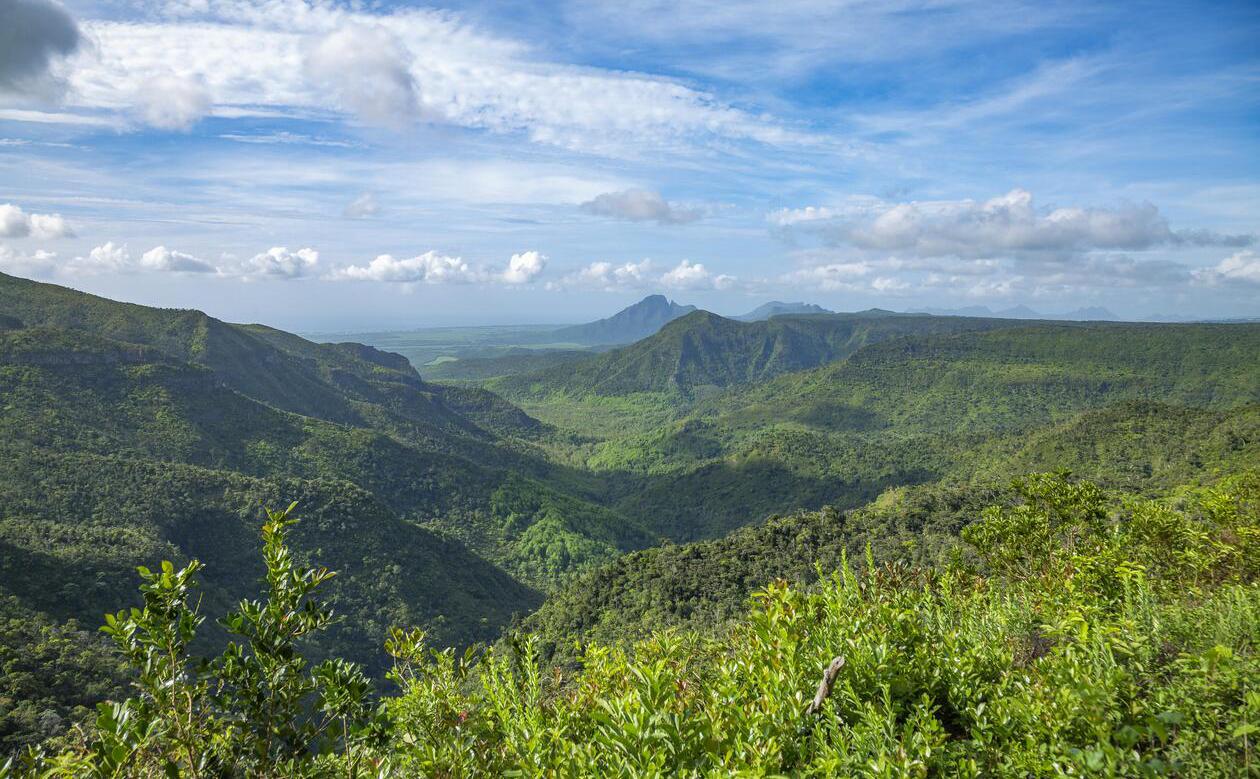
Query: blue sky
[320, 165]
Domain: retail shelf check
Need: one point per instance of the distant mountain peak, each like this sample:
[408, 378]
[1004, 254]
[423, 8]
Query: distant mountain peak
[779, 308]
[632, 323]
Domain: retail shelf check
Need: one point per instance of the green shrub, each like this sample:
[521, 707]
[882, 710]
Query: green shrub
[1100, 635]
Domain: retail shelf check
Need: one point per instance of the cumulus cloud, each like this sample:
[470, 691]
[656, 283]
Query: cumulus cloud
[429, 268]
[367, 70]
[607, 276]
[172, 102]
[16, 223]
[524, 267]
[37, 263]
[34, 35]
[645, 275]
[433, 267]
[639, 205]
[160, 258]
[688, 275]
[363, 206]
[107, 257]
[1243, 268]
[1008, 225]
[280, 263]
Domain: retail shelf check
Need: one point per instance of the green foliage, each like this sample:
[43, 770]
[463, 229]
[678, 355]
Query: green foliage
[703, 350]
[1123, 642]
[51, 675]
[130, 434]
[706, 584]
[258, 709]
[1138, 406]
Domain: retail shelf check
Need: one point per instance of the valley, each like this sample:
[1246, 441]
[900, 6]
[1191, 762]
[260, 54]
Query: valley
[593, 495]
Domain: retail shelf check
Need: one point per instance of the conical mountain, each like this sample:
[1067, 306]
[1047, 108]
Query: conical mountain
[628, 325]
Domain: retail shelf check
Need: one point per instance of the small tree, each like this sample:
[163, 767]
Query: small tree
[256, 710]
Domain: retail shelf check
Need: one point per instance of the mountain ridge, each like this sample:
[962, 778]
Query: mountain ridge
[779, 308]
[632, 323]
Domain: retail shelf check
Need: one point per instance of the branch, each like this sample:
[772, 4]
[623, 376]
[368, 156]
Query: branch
[824, 686]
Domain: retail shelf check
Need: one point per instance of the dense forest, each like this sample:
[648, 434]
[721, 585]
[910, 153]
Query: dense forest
[1032, 544]
[1072, 630]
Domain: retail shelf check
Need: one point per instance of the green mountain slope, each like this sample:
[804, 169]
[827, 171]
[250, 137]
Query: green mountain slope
[75, 526]
[703, 350]
[907, 411]
[69, 391]
[514, 362]
[1136, 446]
[168, 445]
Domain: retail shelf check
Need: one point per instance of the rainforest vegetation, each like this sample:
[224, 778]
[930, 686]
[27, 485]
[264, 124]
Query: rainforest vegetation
[1033, 545]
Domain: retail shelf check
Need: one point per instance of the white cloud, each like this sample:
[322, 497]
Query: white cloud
[693, 275]
[639, 205]
[278, 262]
[433, 267]
[429, 268]
[1083, 276]
[39, 263]
[1243, 267]
[172, 102]
[645, 275]
[16, 223]
[111, 257]
[107, 257]
[524, 267]
[309, 58]
[285, 138]
[610, 277]
[363, 206]
[367, 69]
[34, 36]
[686, 275]
[889, 284]
[1008, 225]
[831, 276]
[160, 258]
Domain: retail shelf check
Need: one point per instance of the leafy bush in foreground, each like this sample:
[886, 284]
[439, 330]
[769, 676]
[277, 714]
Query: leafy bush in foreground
[1106, 636]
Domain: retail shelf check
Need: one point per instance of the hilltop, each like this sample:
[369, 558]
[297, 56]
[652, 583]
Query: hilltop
[778, 308]
[703, 349]
[629, 324]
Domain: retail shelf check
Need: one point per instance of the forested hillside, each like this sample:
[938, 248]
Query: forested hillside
[128, 433]
[703, 350]
[906, 410]
[1076, 631]
[131, 435]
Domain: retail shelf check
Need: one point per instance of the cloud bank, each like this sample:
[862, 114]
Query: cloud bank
[433, 267]
[1008, 225]
[646, 275]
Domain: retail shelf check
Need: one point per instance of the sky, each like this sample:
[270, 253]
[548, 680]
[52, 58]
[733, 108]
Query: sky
[368, 165]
